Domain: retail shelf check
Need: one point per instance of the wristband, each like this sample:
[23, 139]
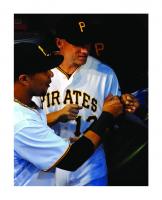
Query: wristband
[106, 120]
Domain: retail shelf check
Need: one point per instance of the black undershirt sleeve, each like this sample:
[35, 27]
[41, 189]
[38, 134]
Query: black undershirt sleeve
[79, 152]
[82, 149]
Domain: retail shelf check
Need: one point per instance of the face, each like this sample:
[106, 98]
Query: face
[39, 83]
[73, 55]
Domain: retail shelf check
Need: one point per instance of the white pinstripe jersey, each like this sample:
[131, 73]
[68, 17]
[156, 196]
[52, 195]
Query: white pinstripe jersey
[88, 86]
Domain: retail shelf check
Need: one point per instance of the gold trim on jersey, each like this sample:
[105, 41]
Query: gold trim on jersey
[33, 106]
[54, 165]
[66, 74]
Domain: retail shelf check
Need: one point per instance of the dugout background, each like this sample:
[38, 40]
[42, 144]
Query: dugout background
[125, 39]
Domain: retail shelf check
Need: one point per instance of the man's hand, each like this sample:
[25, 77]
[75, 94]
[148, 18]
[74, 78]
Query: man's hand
[113, 105]
[69, 112]
[131, 104]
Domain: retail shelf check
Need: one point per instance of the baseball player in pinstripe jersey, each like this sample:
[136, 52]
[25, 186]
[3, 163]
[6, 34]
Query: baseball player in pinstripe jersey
[80, 80]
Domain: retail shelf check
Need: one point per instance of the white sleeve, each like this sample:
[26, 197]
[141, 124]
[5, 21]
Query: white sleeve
[38, 144]
[112, 84]
[115, 88]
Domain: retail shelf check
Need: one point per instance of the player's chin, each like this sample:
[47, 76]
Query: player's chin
[82, 60]
[42, 92]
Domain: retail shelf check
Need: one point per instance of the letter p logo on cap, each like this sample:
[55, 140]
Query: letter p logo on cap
[81, 26]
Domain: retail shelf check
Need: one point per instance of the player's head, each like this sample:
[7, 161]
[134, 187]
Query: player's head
[76, 29]
[73, 38]
[32, 67]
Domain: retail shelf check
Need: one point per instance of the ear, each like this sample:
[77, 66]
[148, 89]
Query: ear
[59, 43]
[24, 79]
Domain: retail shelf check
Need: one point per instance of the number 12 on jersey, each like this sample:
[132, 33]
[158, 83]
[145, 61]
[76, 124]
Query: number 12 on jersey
[78, 124]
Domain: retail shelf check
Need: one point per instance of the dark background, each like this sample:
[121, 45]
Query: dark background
[125, 37]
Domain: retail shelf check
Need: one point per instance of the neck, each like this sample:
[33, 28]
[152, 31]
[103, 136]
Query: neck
[23, 101]
[21, 95]
[69, 69]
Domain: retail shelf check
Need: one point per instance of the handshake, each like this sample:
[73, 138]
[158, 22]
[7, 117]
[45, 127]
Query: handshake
[117, 105]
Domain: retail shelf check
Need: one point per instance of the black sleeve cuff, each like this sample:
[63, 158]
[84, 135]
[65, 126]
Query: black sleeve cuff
[106, 120]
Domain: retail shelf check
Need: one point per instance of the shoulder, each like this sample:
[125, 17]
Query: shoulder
[99, 66]
[23, 117]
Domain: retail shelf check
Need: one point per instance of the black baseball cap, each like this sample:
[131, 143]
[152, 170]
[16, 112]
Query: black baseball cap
[30, 59]
[76, 29]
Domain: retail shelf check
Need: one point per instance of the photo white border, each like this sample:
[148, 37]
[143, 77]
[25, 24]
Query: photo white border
[8, 8]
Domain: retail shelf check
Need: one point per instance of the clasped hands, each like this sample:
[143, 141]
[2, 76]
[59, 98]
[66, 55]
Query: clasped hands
[117, 105]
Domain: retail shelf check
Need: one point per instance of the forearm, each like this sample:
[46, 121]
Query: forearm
[53, 118]
[65, 114]
[78, 153]
[81, 150]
